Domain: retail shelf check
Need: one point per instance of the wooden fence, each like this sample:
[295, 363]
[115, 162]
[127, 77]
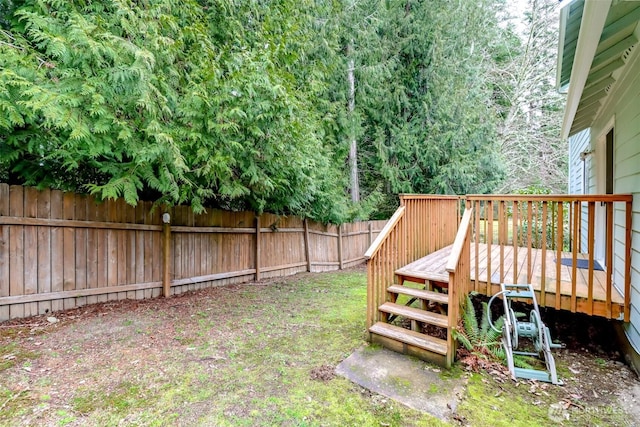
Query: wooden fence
[60, 250]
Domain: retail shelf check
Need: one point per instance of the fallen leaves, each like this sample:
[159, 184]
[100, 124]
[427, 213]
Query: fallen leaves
[476, 363]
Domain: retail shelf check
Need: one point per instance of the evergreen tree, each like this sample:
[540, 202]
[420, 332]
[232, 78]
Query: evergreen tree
[190, 102]
[250, 104]
[429, 117]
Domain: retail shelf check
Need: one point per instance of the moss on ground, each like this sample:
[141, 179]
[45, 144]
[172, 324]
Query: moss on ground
[240, 358]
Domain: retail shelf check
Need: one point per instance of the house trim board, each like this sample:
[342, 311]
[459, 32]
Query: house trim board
[593, 20]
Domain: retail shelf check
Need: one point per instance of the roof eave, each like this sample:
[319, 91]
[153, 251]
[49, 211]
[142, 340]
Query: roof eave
[593, 20]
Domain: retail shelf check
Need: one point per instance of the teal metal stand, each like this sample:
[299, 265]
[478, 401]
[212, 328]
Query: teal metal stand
[535, 330]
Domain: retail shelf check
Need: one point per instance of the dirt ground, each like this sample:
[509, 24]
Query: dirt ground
[593, 368]
[61, 353]
[597, 390]
[596, 369]
[598, 387]
[46, 360]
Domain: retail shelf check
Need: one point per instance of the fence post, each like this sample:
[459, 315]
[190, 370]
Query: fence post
[4, 252]
[370, 234]
[258, 247]
[166, 254]
[307, 252]
[340, 247]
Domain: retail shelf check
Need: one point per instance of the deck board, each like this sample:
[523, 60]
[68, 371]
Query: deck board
[433, 265]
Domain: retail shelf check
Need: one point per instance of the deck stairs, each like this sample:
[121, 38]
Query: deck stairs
[414, 319]
[432, 253]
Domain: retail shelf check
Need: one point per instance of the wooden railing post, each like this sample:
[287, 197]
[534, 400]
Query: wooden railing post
[571, 224]
[554, 206]
[529, 206]
[543, 273]
[458, 267]
[489, 240]
[559, 239]
[166, 254]
[608, 255]
[573, 219]
[591, 206]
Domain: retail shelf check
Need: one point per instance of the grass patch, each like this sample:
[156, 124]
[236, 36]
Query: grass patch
[484, 228]
[121, 400]
[291, 329]
[454, 373]
[243, 355]
[11, 354]
[64, 417]
[488, 405]
[14, 404]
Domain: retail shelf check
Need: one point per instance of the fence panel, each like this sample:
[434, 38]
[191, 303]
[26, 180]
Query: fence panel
[63, 250]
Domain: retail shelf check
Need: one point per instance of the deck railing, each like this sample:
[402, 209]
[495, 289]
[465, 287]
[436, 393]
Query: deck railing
[421, 225]
[459, 269]
[565, 225]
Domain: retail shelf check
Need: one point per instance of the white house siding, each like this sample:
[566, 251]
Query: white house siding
[578, 143]
[623, 107]
[578, 168]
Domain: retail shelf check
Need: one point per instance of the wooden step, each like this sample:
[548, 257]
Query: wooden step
[420, 293]
[421, 276]
[406, 336]
[415, 314]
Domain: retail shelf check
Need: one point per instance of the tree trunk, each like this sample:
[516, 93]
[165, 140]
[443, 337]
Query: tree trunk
[353, 148]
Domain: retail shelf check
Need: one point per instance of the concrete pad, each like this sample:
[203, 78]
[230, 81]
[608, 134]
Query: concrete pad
[405, 379]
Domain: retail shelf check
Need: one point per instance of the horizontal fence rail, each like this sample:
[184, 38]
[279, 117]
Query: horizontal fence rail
[532, 238]
[61, 250]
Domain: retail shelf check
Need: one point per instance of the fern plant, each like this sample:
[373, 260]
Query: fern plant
[481, 340]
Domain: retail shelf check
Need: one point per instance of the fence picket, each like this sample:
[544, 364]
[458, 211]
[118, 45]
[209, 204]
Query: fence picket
[30, 250]
[16, 250]
[4, 251]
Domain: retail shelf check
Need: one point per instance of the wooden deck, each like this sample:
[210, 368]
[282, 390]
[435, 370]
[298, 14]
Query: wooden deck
[432, 268]
[423, 224]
